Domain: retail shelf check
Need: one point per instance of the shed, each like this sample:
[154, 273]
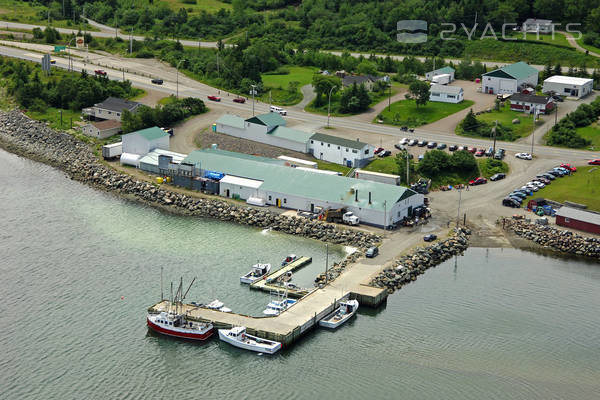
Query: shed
[144, 141]
[582, 220]
[101, 129]
[509, 79]
[150, 162]
[568, 86]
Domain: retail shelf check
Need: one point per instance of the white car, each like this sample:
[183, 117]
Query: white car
[523, 156]
[404, 141]
[536, 183]
[533, 188]
[412, 142]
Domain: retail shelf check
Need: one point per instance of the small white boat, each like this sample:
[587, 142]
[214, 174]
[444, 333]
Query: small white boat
[289, 259]
[218, 305]
[238, 337]
[276, 307]
[257, 272]
[342, 314]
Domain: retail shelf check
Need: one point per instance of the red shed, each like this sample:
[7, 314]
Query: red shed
[575, 218]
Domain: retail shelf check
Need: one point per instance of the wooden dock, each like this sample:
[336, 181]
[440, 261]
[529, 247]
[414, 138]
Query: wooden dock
[270, 283]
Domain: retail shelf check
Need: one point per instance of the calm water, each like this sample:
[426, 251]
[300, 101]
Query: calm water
[495, 324]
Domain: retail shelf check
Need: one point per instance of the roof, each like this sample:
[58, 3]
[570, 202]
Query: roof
[568, 80]
[268, 119]
[231, 120]
[106, 124]
[445, 89]
[579, 215]
[518, 70]
[352, 79]
[116, 104]
[152, 157]
[293, 181]
[443, 70]
[353, 144]
[363, 171]
[530, 98]
[532, 21]
[150, 133]
[291, 134]
[236, 180]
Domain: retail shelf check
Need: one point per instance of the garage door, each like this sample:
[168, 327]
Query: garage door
[507, 85]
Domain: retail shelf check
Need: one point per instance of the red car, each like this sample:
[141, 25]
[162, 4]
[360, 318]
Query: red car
[100, 72]
[378, 150]
[569, 167]
[480, 153]
[594, 162]
[214, 98]
[472, 149]
[239, 100]
[478, 181]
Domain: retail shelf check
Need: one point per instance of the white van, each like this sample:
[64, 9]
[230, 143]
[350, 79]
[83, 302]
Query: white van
[278, 110]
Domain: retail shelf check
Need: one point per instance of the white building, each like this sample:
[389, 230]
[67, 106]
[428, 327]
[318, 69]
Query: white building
[509, 79]
[111, 108]
[441, 71]
[101, 129]
[568, 86]
[239, 188]
[446, 94]
[144, 141]
[538, 25]
[351, 153]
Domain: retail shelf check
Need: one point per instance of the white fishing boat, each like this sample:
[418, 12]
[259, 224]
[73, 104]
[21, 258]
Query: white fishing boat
[279, 305]
[257, 272]
[218, 305]
[238, 337]
[289, 259]
[343, 313]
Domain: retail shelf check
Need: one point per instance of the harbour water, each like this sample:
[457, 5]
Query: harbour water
[79, 268]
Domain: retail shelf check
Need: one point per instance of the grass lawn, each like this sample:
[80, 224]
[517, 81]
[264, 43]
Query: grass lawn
[452, 178]
[591, 132]
[588, 46]
[335, 101]
[581, 187]
[332, 167]
[406, 112]
[28, 13]
[505, 117]
[167, 100]
[558, 39]
[386, 165]
[278, 84]
[141, 93]
[489, 167]
[52, 115]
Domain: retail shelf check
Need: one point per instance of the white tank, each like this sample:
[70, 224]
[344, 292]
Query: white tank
[131, 159]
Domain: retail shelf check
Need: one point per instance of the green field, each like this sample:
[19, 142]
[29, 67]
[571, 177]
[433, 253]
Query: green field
[28, 13]
[52, 116]
[406, 112]
[386, 165]
[582, 187]
[559, 39]
[591, 132]
[588, 46]
[278, 84]
[505, 117]
[376, 98]
[201, 5]
[332, 167]
[489, 167]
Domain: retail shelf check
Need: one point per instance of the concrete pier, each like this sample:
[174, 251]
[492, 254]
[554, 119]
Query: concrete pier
[269, 284]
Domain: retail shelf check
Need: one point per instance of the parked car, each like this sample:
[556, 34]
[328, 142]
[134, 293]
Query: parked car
[547, 175]
[378, 150]
[422, 143]
[521, 195]
[214, 98]
[499, 155]
[535, 183]
[545, 181]
[530, 187]
[411, 129]
[561, 171]
[431, 145]
[384, 153]
[157, 81]
[372, 252]
[523, 156]
[429, 238]
[557, 98]
[472, 150]
[412, 142]
[516, 198]
[525, 190]
[400, 146]
[479, 153]
[441, 146]
[453, 147]
[497, 177]
[489, 152]
[239, 100]
[594, 162]
[404, 128]
[100, 72]
[568, 167]
[508, 202]
[421, 156]
[404, 141]
[478, 181]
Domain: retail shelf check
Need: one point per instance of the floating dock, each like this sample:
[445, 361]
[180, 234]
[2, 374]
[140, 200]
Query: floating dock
[270, 284]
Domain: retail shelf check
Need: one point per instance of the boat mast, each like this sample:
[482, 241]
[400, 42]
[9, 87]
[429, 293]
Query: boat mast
[162, 296]
[326, 262]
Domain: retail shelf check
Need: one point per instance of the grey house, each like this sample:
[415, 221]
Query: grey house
[111, 108]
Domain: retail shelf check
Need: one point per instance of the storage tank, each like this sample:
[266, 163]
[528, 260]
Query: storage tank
[131, 159]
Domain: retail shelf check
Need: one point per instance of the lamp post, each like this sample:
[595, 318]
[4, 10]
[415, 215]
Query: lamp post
[384, 214]
[69, 51]
[329, 104]
[177, 77]
[253, 91]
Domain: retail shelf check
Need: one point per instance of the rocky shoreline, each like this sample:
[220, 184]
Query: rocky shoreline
[23, 136]
[408, 267]
[557, 240]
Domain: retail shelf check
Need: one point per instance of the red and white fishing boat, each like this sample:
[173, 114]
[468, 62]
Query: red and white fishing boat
[171, 324]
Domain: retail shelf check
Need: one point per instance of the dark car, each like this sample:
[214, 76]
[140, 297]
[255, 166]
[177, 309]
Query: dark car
[480, 153]
[239, 100]
[157, 81]
[400, 146]
[545, 181]
[404, 128]
[499, 155]
[508, 202]
[378, 150]
[431, 145]
[525, 191]
[441, 146]
[384, 153]
[554, 173]
[453, 147]
[422, 143]
[412, 142]
[429, 238]
[557, 98]
[372, 252]
[478, 181]
[520, 195]
[548, 175]
[497, 177]
[517, 199]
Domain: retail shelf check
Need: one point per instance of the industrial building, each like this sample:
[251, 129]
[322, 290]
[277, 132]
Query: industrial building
[446, 94]
[568, 86]
[270, 181]
[144, 141]
[351, 153]
[578, 219]
[527, 103]
[150, 162]
[441, 71]
[111, 108]
[509, 79]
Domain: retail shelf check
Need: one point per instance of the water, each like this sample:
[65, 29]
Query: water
[495, 324]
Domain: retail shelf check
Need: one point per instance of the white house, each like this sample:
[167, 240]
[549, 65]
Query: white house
[568, 86]
[351, 153]
[441, 71]
[509, 79]
[101, 129]
[527, 103]
[144, 141]
[538, 25]
[111, 108]
[446, 94]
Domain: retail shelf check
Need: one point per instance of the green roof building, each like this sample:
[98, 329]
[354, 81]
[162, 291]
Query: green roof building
[144, 141]
[509, 79]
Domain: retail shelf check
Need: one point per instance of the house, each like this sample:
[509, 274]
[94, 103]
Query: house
[367, 80]
[275, 184]
[441, 71]
[351, 153]
[568, 86]
[509, 79]
[446, 94]
[101, 129]
[266, 128]
[144, 141]
[538, 25]
[527, 103]
[578, 219]
[111, 108]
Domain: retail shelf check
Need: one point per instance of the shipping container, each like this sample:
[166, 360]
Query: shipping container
[112, 150]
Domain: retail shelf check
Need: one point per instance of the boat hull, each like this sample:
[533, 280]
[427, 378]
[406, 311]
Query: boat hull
[179, 333]
[330, 323]
[241, 345]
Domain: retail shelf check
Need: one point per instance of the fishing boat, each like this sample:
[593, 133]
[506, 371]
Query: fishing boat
[257, 272]
[238, 337]
[279, 305]
[289, 259]
[218, 305]
[343, 313]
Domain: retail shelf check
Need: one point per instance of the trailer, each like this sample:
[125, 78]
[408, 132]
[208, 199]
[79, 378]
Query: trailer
[112, 150]
[377, 177]
[442, 79]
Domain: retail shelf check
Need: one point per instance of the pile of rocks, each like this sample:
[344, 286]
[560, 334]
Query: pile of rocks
[406, 268]
[555, 239]
[337, 268]
[35, 140]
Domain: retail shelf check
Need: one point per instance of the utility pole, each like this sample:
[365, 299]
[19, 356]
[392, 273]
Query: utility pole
[384, 215]
[218, 69]
[329, 105]
[390, 98]
[177, 75]
[407, 168]
[270, 99]
[458, 212]
[556, 114]
[253, 91]
[123, 69]
[326, 263]
[495, 131]
[131, 41]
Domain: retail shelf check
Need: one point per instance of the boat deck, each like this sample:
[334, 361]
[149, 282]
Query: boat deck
[272, 277]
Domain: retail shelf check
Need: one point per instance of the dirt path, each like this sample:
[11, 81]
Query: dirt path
[308, 94]
[573, 42]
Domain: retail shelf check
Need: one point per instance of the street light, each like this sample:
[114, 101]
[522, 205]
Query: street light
[253, 91]
[329, 105]
[69, 51]
[177, 75]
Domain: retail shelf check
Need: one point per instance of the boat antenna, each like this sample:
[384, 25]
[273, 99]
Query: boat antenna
[162, 296]
[171, 301]
[188, 289]
[326, 262]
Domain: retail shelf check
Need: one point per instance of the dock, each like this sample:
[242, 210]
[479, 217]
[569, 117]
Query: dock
[269, 284]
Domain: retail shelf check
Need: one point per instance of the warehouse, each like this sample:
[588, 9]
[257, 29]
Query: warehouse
[509, 79]
[144, 141]
[350, 153]
[578, 219]
[276, 184]
[150, 162]
[441, 71]
[446, 94]
[568, 86]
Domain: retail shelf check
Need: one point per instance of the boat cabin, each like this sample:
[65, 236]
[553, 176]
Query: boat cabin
[260, 269]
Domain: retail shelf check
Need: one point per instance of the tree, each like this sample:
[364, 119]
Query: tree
[463, 161]
[366, 68]
[419, 91]
[433, 163]
[322, 85]
[401, 163]
[470, 123]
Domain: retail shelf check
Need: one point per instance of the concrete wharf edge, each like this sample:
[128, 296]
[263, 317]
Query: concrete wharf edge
[269, 284]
